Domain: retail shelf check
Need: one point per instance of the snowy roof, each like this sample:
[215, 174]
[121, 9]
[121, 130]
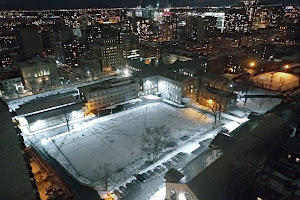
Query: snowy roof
[222, 141]
[216, 181]
[54, 112]
[173, 176]
[106, 84]
[44, 105]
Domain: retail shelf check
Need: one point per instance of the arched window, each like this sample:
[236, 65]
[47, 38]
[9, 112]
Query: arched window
[172, 194]
[187, 196]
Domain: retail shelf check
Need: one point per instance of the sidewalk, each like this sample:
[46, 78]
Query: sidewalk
[205, 110]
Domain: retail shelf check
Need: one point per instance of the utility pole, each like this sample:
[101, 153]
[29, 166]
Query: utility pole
[67, 119]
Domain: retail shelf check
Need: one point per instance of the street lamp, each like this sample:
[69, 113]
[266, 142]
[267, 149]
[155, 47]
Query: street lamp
[252, 64]
[286, 67]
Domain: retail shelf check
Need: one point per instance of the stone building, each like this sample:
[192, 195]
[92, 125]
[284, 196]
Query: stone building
[38, 73]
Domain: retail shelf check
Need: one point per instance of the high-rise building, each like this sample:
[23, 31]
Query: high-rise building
[17, 179]
[220, 19]
[73, 50]
[109, 52]
[30, 40]
[206, 27]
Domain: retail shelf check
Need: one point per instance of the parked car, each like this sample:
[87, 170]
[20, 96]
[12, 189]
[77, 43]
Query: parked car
[119, 194]
[253, 115]
[140, 178]
[224, 130]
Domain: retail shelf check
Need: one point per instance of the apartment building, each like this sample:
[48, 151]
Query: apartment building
[109, 92]
[171, 86]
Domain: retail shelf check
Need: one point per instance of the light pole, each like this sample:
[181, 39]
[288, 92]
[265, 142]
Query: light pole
[286, 67]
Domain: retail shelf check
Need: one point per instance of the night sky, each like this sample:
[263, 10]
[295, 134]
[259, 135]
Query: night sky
[41, 4]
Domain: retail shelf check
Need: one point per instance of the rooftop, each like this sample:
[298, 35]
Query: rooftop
[255, 145]
[116, 82]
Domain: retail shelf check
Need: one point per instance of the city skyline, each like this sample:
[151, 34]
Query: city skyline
[56, 4]
[161, 102]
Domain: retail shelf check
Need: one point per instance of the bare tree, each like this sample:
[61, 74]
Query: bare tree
[246, 87]
[103, 174]
[247, 90]
[156, 139]
[262, 101]
[281, 83]
[68, 117]
[215, 108]
[271, 80]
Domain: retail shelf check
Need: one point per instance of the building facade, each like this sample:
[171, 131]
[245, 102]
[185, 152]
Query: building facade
[17, 179]
[212, 97]
[109, 52]
[173, 86]
[110, 92]
[39, 73]
[30, 39]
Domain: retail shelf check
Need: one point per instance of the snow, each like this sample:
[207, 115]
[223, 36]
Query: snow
[159, 195]
[279, 81]
[115, 140]
[173, 103]
[224, 115]
[230, 126]
[152, 97]
[259, 105]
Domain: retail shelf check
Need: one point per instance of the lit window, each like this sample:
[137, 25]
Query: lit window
[289, 156]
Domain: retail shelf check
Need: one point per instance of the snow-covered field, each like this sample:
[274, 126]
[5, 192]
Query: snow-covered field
[279, 81]
[113, 142]
[259, 105]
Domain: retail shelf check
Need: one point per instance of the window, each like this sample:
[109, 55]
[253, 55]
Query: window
[187, 196]
[172, 194]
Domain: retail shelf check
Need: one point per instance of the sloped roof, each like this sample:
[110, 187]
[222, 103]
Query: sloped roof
[222, 141]
[44, 105]
[216, 181]
[173, 176]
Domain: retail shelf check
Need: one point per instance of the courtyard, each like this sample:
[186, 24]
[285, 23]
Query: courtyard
[110, 147]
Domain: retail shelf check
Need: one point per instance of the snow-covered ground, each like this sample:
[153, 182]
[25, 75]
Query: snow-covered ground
[279, 81]
[114, 141]
[159, 195]
[259, 105]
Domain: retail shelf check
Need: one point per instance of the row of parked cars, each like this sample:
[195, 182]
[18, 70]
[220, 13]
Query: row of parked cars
[150, 174]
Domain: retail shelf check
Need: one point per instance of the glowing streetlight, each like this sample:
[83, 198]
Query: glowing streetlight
[126, 72]
[252, 64]
[286, 67]
[210, 101]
